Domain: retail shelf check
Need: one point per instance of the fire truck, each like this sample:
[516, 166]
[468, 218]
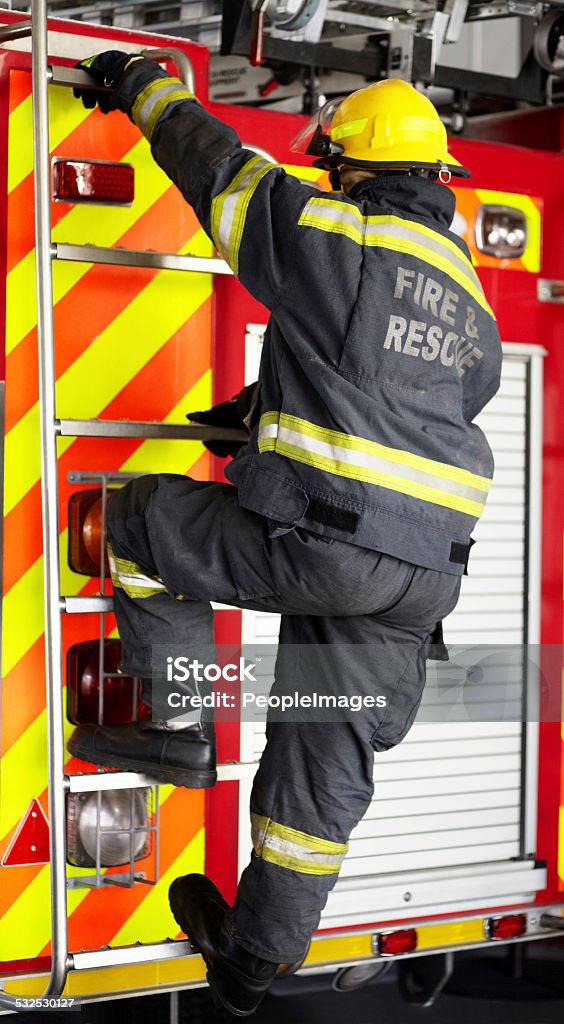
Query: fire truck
[116, 318]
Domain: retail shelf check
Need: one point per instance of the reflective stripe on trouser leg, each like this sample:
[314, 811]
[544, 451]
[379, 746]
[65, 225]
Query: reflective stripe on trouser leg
[295, 850]
[128, 576]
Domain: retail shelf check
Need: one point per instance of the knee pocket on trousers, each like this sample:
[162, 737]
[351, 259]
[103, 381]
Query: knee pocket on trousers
[383, 739]
[403, 705]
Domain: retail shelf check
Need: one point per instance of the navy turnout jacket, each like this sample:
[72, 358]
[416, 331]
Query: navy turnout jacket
[381, 347]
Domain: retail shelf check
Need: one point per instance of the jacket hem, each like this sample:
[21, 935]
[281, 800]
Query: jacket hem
[378, 529]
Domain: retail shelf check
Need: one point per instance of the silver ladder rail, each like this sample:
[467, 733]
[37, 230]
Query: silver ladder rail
[59, 783]
[60, 962]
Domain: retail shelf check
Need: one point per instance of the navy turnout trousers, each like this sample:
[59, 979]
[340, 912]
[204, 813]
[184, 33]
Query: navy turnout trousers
[377, 613]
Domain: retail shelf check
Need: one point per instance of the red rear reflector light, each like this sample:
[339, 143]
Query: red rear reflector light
[508, 927]
[392, 943]
[93, 181]
[122, 703]
[85, 532]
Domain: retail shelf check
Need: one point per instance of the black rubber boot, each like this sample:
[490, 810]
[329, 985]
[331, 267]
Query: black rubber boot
[237, 979]
[176, 757]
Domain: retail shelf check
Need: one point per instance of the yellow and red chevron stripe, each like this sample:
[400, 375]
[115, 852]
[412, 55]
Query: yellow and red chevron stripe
[130, 343]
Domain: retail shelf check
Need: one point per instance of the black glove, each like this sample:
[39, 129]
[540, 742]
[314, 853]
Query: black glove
[225, 414]
[109, 69]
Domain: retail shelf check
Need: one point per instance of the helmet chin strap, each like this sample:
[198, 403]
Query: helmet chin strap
[443, 175]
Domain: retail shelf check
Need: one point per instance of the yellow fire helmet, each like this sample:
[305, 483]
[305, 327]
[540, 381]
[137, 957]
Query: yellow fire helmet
[386, 125]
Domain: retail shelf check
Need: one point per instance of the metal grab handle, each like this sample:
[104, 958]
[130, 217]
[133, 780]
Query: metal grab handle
[552, 921]
[256, 45]
[79, 78]
[15, 30]
[178, 57]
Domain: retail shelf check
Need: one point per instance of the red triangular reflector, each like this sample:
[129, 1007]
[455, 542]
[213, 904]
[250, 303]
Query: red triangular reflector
[30, 842]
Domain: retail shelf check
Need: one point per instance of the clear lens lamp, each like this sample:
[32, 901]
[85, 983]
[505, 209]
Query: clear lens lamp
[108, 829]
[501, 231]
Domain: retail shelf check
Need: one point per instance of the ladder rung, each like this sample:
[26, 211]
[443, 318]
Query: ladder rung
[236, 771]
[171, 949]
[104, 603]
[84, 605]
[163, 431]
[74, 77]
[93, 477]
[94, 782]
[138, 258]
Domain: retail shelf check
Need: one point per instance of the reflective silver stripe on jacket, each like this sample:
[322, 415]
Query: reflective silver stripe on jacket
[396, 233]
[229, 208]
[153, 100]
[349, 456]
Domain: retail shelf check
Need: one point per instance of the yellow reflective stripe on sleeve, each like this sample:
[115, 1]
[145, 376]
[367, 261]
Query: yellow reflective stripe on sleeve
[357, 458]
[152, 101]
[229, 209]
[298, 851]
[396, 234]
[129, 576]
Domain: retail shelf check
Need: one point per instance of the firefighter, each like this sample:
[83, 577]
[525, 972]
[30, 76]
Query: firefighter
[350, 509]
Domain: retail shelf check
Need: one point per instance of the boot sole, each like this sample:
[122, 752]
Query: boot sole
[182, 777]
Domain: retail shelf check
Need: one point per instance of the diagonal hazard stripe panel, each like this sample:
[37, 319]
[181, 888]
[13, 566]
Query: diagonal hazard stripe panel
[95, 291]
[16, 609]
[20, 89]
[21, 762]
[135, 335]
[95, 910]
[110, 224]
[153, 917]
[63, 118]
[150, 452]
[33, 901]
[23, 602]
[25, 549]
[162, 311]
[20, 878]
[66, 116]
[23, 605]
[83, 142]
[31, 906]
[22, 712]
[123, 348]
[104, 918]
